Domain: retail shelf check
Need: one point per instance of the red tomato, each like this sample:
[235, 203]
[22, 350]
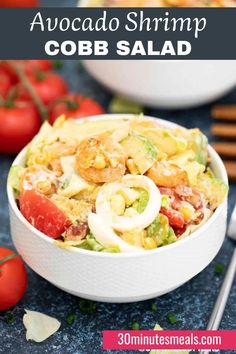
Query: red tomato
[13, 279]
[19, 124]
[176, 219]
[48, 86]
[19, 3]
[5, 67]
[30, 66]
[75, 106]
[43, 214]
[5, 84]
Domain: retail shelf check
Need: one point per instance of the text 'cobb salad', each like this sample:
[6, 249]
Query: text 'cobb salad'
[116, 185]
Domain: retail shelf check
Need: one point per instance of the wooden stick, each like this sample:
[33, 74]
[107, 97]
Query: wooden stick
[231, 170]
[224, 130]
[224, 112]
[225, 149]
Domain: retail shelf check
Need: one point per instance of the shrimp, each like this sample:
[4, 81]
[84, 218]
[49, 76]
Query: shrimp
[40, 179]
[100, 159]
[167, 175]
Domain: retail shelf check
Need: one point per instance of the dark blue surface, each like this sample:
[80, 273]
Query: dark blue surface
[192, 303]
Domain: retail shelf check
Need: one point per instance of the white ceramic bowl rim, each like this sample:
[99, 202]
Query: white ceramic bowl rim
[20, 157]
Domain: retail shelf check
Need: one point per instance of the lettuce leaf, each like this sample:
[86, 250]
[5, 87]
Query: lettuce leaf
[90, 243]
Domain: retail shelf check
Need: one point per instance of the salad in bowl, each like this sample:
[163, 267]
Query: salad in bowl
[116, 185]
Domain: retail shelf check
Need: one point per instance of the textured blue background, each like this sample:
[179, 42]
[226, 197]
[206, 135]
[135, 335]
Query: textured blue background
[192, 303]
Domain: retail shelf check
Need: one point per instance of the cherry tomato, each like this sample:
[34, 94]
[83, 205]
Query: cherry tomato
[13, 279]
[19, 3]
[5, 84]
[31, 66]
[43, 214]
[19, 123]
[48, 86]
[5, 67]
[75, 106]
[176, 219]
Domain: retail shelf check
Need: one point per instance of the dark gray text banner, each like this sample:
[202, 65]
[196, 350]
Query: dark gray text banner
[123, 34]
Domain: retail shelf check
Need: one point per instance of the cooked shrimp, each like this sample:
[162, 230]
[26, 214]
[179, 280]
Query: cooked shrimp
[39, 178]
[167, 175]
[100, 159]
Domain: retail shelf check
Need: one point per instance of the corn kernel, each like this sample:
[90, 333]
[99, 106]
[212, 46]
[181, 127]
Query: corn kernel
[187, 213]
[40, 159]
[117, 204]
[44, 186]
[99, 162]
[134, 237]
[132, 167]
[149, 243]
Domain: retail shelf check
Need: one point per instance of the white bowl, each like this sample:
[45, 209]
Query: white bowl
[119, 277]
[165, 84]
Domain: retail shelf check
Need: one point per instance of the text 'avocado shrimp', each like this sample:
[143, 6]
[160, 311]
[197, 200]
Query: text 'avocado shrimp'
[100, 159]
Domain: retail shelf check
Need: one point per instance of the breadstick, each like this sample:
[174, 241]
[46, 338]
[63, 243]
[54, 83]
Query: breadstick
[224, 112]
[224, 130]
[231, 169]
[225, 149]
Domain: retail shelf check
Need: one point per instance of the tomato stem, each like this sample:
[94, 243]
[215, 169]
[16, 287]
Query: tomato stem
[71, 105]
[9, 102]
[18, 69]
[7, 258]
[40, 75]
[2, 101]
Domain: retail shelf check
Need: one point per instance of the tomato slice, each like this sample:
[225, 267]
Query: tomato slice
[43, 214]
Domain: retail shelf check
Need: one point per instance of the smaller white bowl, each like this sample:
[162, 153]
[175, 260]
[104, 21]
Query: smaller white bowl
[119, 277]
[165, 84]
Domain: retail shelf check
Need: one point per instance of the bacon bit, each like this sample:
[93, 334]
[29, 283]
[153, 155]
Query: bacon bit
[166, 191]
[196, 199]
[175, 202]
[190, 195]
[184, 191]
[199, 218]
[76, 232]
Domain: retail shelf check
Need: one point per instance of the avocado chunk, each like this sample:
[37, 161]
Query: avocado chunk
[198, 143]
[213, 188]
[141, 202]
[141, 150]
[122, 105]
[161, 231]
[165, 141]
